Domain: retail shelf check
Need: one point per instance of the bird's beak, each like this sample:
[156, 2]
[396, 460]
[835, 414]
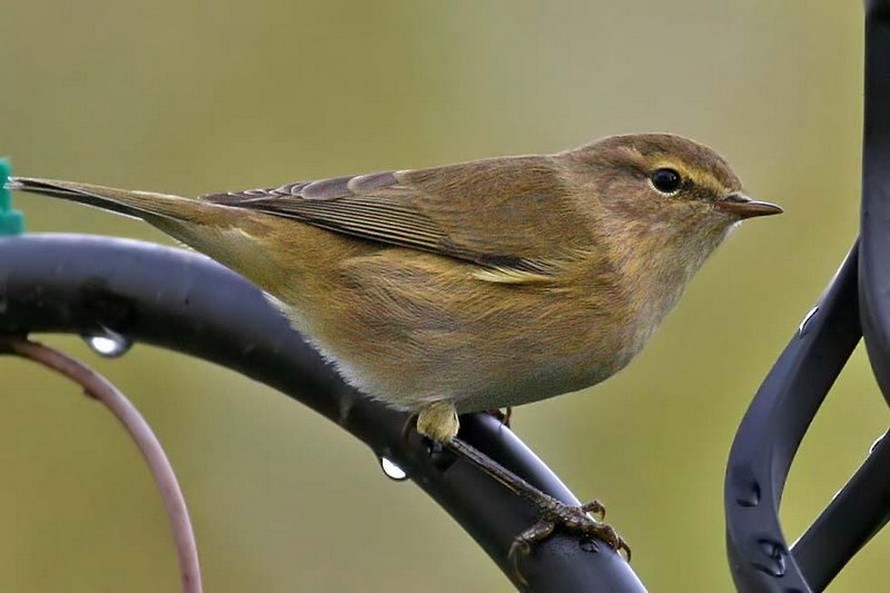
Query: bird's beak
[744, 207]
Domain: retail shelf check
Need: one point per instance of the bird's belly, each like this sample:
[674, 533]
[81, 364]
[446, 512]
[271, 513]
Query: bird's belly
[472, 386]
[409, 370]
[539, 380]
[408, 333]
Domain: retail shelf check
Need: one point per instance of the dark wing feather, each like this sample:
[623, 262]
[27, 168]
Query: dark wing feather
[447, 210]
[341, 206]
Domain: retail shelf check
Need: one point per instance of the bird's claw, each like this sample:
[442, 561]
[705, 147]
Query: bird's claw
[607, 534]
[595, 507]
[558, 515]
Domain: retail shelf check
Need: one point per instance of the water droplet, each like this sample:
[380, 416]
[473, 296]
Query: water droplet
[392, 471]
[749, 496]
[802, 328]
[773, 560]
[108, 343]
[745, 486]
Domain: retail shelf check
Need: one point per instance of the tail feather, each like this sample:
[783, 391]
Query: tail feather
[224, 233]
[138, 204]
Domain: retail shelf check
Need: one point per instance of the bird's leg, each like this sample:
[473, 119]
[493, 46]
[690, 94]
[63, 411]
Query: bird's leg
[555, 514]
[504, 416]
[438, 421]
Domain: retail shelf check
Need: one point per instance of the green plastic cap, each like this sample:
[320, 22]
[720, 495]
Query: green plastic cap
[12, 222]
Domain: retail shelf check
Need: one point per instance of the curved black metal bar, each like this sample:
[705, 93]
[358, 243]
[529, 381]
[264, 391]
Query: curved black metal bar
[862, 507]
[186, 302]
[771, 432]
[874, 278]
[855, 514]
[857, 302]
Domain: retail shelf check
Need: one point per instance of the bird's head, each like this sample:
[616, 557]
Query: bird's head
[664, 178]
[662, 204]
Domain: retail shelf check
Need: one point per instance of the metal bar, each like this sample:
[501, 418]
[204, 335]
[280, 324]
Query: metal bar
[862, 507]
[852, 518]
[771, 432]
[874, 281]
[186, 302]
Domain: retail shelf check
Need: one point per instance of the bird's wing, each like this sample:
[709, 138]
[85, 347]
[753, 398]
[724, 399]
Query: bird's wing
[509, 214]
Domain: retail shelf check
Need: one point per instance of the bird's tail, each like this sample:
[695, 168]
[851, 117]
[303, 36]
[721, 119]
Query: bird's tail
[222, 232]
[148, 206]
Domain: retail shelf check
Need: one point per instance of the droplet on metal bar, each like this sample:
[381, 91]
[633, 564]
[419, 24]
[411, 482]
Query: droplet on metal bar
[108, 343]
[749, 496]
[802, 328]
[392, 471]
[773, 560]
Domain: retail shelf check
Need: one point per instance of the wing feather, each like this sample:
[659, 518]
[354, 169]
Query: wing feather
[448, 210]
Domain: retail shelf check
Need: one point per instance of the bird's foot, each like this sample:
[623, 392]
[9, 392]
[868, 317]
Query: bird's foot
[559, 515]
[554, 514]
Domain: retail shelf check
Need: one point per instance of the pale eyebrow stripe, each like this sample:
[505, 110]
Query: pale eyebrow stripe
[701, 179]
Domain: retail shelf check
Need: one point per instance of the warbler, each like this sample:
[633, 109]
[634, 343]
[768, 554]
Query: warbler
[470, 286]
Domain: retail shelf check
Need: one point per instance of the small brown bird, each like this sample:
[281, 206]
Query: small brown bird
[472, 286]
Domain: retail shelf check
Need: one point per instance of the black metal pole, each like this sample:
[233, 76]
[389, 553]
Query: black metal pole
[874, 267]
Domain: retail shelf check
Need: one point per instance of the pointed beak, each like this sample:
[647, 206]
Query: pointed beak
[744, 207]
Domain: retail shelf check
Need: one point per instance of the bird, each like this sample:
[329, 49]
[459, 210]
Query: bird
[472, 286]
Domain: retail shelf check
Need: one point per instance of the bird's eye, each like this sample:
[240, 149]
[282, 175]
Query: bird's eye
[667, 181]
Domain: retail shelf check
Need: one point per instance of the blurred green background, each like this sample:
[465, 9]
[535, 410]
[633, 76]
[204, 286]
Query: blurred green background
[192, 97]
